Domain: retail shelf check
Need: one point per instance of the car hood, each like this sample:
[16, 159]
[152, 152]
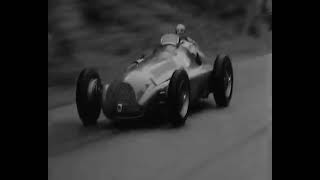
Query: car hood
[155, 70]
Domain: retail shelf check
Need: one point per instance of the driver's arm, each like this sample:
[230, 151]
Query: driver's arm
[191, 40]
[201, 54]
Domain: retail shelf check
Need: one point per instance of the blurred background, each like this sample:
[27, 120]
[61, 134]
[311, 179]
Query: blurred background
[108, 34]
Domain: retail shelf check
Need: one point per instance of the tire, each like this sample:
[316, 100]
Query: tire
[178, 98]
[222, 80]
[88, 96]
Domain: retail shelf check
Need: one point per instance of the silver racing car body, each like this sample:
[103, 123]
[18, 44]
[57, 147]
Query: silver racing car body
[172, 76]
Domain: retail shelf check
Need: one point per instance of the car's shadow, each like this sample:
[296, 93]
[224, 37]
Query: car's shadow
[66, 136]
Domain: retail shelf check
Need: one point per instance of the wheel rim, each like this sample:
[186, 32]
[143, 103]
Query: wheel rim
[92, 88]
[185, 104]
[228, 83]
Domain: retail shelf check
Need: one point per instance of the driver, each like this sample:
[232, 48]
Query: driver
[187, 42]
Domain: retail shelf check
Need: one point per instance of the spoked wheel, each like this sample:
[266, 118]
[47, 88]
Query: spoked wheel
[88, 96]
[228, 83]
[222, 80]
[184, 102]
[179, 97]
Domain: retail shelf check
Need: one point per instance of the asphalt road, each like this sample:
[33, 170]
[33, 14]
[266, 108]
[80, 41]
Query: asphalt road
[232, 143]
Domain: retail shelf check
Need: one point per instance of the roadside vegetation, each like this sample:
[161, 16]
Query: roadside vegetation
[108, 34]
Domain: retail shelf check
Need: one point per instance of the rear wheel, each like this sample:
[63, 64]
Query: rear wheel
[222, 80]
[179, 97]
[88, 96]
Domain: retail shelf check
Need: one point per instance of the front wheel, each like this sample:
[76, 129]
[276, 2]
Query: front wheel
[222, 77]
[88, 96]
[179, 97]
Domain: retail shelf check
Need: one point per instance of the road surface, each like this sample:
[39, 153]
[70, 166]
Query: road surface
[232, 143]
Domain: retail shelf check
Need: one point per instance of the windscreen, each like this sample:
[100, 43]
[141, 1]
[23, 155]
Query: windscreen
[171, 39]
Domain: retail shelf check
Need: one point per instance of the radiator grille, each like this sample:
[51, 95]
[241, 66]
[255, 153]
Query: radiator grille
[125, 95]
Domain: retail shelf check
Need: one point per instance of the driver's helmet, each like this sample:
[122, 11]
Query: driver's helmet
[180, 29]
